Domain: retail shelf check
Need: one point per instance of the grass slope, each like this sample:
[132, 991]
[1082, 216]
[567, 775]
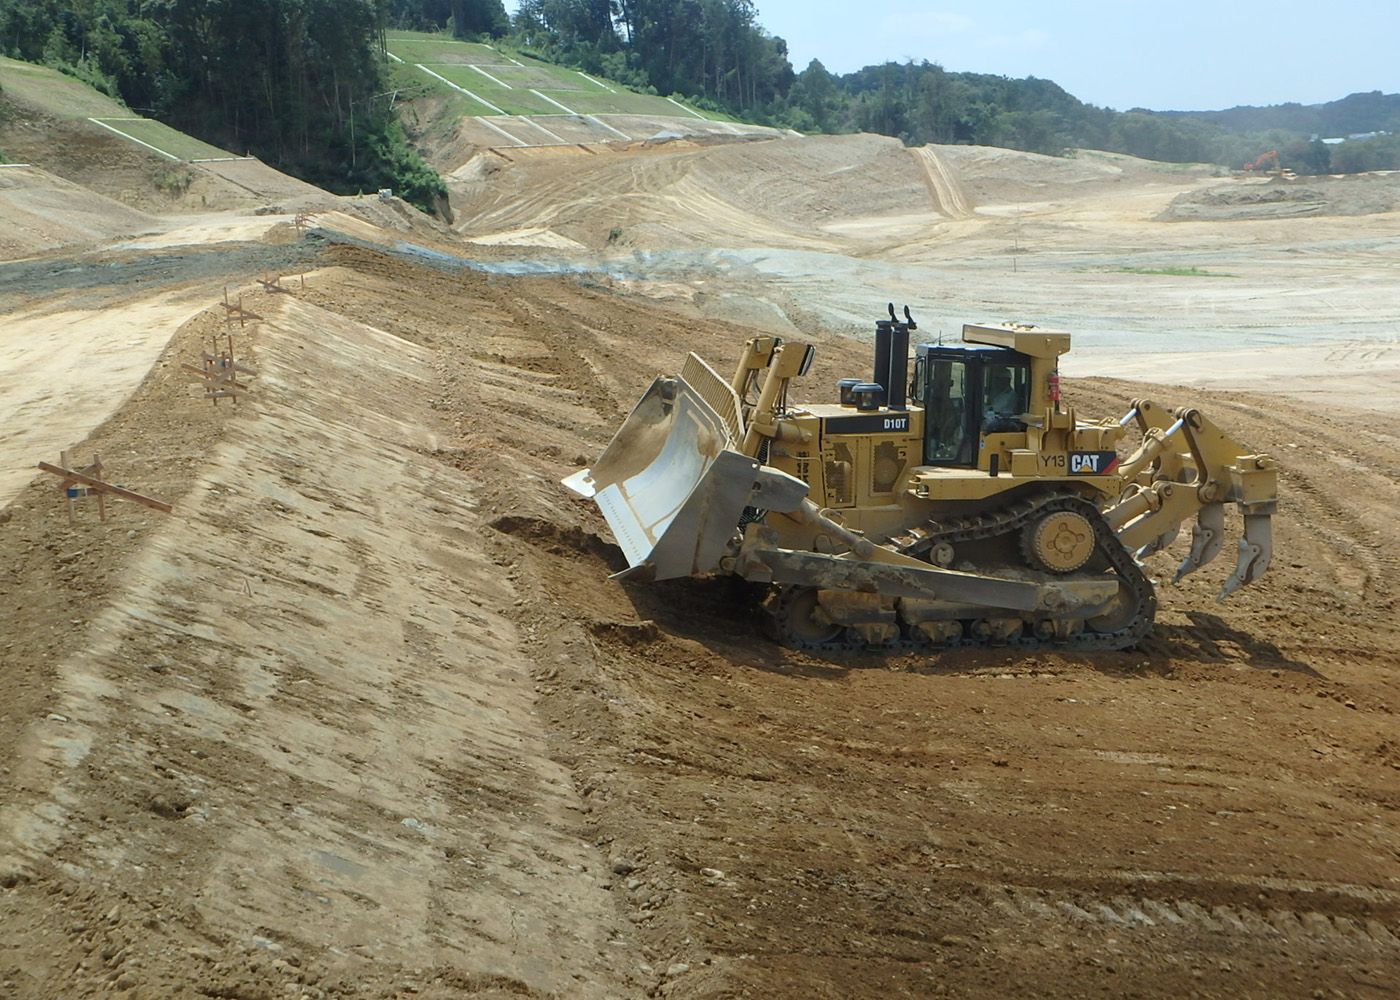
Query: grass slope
[518, 84]
[57, 95]
[163, 137]
[64, 97]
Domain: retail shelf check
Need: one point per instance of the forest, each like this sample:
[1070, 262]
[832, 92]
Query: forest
[302, 83]
[297, 83]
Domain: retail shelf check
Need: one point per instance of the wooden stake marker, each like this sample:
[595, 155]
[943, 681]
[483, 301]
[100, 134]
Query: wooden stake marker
[220, 373]
[274, 283]
[235, 311]
[87, 481]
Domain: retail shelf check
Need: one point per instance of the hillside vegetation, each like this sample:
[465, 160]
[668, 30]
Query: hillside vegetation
[298, 83]
[716, 50]
[305, 84]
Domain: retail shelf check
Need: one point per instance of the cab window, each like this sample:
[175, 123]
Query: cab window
[945, 413]
[1005, 396]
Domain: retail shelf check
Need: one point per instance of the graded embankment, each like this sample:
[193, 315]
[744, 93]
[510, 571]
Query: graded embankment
[366, 717]
[284, 735]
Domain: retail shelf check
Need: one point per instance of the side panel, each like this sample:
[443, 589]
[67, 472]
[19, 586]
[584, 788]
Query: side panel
[866, 457]
[940, 484]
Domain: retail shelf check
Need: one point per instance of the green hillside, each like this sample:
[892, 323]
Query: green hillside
[63, 97]
[54, 93]
[488, 81]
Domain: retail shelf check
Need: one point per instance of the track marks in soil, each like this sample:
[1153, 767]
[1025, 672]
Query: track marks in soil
[949, 197]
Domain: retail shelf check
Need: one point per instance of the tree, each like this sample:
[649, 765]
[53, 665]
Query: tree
[814, 93]
[474, 18]
[420, 15]
[1317, 157]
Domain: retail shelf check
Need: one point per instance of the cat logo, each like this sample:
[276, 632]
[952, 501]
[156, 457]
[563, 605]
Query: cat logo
[1092, 463]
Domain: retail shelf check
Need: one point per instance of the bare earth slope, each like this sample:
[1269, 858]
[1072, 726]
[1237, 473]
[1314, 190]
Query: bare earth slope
[365, 717]
[807, 233]
[43, 212]
[54, 122]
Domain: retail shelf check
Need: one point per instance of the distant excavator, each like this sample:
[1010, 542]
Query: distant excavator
[964, 505]
[1269, 163]
[1264, 160]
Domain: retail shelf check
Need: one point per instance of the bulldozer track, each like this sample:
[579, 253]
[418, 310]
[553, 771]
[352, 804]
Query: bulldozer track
[919, 542]
[1131, 912]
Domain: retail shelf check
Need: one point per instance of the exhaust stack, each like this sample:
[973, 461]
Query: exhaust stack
[898, 378]
[892, 358]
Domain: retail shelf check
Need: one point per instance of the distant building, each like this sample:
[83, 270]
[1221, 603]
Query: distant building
[1356, 137]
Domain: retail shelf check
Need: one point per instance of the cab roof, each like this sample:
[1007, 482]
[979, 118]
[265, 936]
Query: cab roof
[1027, 338]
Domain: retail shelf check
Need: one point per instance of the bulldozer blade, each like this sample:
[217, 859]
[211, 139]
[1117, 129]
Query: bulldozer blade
[1256, 548]
[672, 488]
[1207, 538]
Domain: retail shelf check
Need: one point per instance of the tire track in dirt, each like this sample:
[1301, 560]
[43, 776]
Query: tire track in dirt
[949, 196]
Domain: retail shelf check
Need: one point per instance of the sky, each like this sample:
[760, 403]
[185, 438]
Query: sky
[1185, 55]
[1180, 56]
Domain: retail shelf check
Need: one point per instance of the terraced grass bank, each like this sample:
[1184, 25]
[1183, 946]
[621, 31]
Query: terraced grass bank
[515, 100]
[68, 99]
[163, 139]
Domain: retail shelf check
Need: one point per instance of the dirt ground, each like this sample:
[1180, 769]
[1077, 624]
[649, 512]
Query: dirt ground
[365, 717]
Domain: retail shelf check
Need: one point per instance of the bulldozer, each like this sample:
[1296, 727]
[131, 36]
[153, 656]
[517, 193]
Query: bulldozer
[954, 501]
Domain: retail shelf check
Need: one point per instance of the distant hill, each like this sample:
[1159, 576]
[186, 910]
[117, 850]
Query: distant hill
[1352, 115]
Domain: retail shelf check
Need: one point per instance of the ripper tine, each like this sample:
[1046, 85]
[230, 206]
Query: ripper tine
[1256, 548]
[1207, 538]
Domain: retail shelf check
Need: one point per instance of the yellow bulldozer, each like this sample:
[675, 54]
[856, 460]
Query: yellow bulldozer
[957, 503]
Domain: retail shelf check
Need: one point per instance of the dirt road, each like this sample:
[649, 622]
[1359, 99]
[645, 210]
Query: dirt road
[365, 717]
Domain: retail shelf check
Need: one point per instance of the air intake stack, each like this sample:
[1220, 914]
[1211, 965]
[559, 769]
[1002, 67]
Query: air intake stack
[898, 386]
[892, 357]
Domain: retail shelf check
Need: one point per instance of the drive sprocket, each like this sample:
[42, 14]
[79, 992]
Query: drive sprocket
[1060, 541]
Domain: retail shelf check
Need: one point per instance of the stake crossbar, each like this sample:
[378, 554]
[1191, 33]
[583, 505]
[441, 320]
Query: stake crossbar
[74, 476]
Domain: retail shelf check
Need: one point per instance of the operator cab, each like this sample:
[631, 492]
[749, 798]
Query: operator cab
[968, 390]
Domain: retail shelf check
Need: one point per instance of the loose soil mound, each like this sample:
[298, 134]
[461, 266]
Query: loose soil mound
[798, 193]
[1358, 194]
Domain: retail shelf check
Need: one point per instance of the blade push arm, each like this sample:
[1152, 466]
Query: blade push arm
[786, 362]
